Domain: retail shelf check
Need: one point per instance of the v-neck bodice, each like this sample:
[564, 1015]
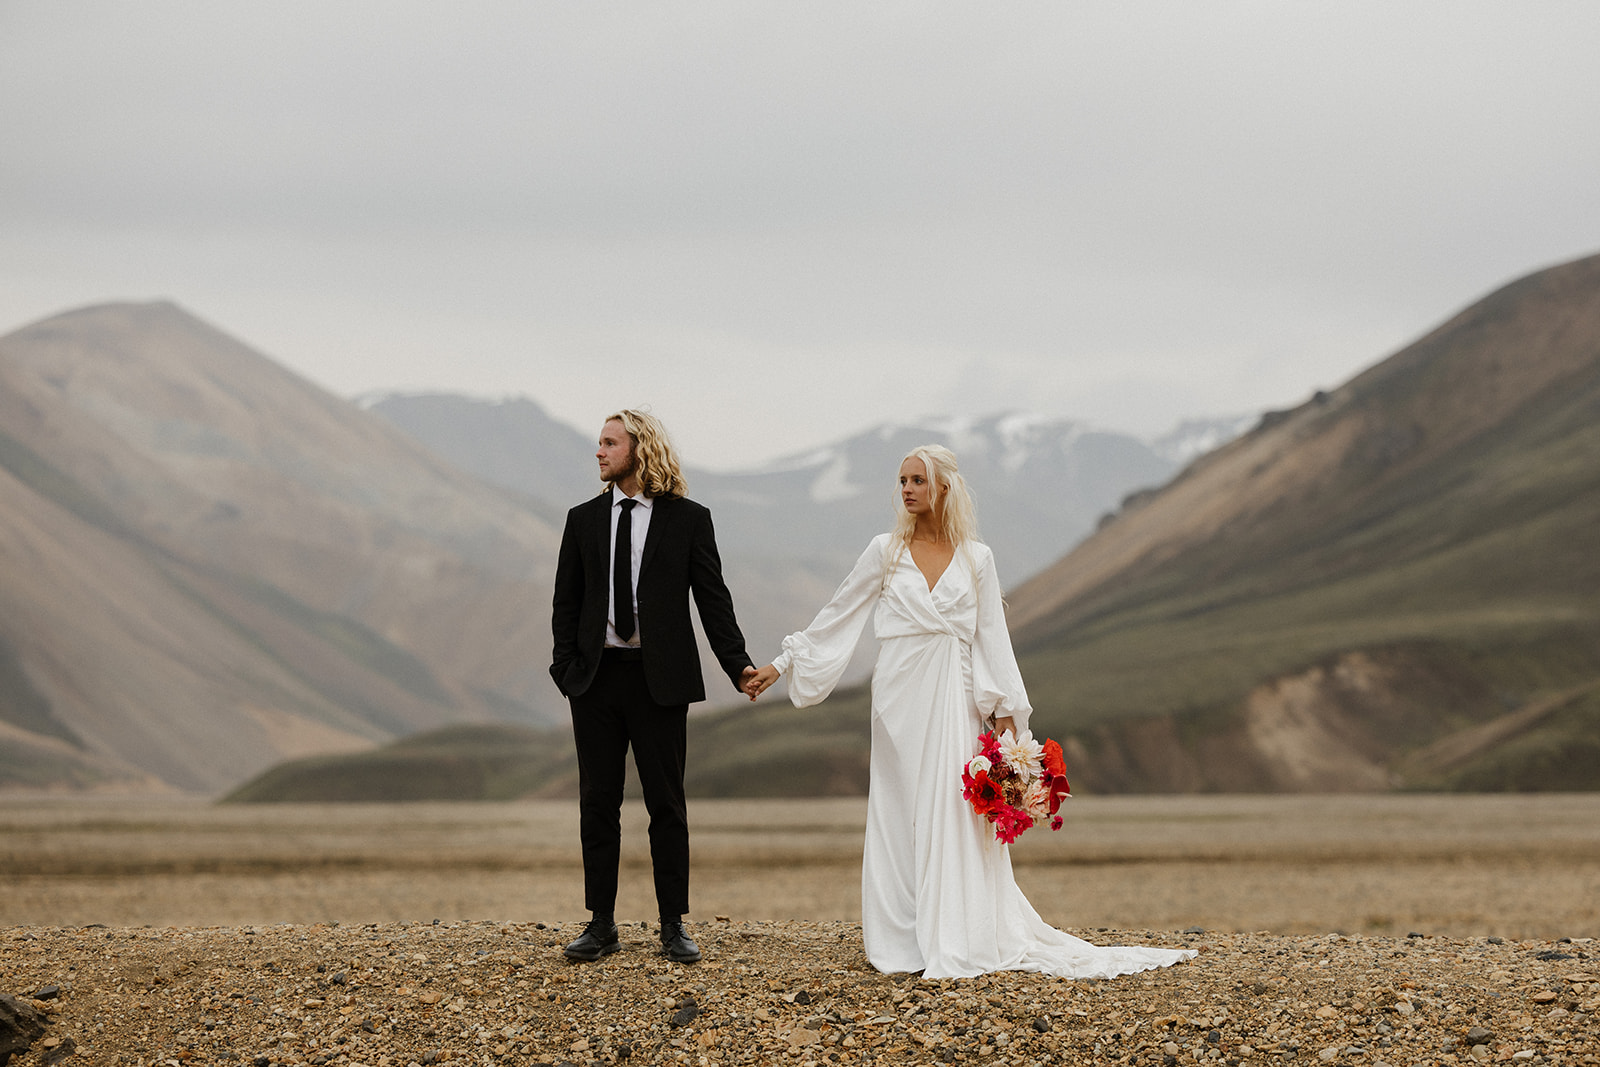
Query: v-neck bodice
[934, 584]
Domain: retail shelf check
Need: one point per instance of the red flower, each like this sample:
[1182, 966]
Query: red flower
[1055, 776]
[983, 794]
[1052, 759]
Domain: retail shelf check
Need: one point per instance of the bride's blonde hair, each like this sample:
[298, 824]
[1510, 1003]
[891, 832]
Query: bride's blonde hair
[948, 496]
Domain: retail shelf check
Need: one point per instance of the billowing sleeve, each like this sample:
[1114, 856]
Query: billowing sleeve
[996, 682]
[815, 658]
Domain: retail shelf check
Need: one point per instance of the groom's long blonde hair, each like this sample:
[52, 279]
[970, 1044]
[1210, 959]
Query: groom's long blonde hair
[656, 461]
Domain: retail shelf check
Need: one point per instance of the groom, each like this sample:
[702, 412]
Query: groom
[626, 660]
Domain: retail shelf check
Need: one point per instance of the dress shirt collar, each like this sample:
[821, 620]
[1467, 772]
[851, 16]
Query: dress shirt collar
[618, 496]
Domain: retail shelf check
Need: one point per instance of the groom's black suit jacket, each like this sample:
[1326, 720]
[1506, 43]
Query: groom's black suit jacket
[680, 556]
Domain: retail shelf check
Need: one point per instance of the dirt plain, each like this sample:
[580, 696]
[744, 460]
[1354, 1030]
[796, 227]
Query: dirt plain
[1364, 929]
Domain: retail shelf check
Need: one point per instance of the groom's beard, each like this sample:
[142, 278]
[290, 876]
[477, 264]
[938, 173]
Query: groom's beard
[631, 467]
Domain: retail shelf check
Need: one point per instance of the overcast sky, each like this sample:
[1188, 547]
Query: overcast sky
[778, 223]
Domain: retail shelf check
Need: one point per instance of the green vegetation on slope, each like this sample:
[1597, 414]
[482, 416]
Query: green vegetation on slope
[1560, 754]
[1490, 546]
[772, 749]
[455, 763]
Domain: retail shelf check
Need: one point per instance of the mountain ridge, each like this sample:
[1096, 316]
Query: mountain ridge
[212, 564]
[826, 502]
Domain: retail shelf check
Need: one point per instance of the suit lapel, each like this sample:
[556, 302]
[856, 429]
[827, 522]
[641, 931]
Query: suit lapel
[660, 512]
[601, 533]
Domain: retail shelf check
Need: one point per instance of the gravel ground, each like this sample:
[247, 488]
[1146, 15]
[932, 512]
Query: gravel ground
[790, 992]
[1517, 867]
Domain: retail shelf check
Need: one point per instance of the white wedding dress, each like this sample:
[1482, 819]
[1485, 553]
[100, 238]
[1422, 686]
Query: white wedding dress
[937, 893]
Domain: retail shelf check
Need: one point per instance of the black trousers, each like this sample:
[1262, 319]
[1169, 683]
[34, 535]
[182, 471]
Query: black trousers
[616, 713]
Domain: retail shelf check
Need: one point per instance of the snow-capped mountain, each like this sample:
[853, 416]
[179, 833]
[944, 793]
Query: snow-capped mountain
[1193, 438]
[1041, 483]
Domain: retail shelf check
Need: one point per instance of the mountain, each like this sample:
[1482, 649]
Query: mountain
[1193, 438]
[1042, 482]
[1394, 585]
[208, 564]
[512, 443]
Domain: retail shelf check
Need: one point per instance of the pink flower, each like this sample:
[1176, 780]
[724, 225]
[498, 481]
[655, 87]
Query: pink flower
[1009, 823]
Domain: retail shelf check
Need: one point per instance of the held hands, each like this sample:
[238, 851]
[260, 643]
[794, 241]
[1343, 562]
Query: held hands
[756, 682]
[1001, 725]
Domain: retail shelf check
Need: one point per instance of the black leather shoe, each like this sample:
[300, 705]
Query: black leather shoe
[599, 938]
[677, 946]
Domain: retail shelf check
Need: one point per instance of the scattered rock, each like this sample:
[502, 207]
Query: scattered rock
[455, 994]
[20, 1026]
[65, 1047]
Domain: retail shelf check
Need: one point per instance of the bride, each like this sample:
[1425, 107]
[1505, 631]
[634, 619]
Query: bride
[937, 893]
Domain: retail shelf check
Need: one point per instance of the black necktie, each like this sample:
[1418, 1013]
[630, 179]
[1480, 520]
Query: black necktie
[622, 571]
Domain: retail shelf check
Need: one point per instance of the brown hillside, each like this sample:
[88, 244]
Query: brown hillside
[208, 564]
[1382, 587]
[1298, 468]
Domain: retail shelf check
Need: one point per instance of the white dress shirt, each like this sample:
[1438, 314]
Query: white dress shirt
[641, 528]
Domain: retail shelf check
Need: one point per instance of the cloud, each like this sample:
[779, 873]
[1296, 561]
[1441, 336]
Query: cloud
[1126, 211]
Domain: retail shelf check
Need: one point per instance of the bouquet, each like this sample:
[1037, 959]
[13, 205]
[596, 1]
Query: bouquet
[1015, 782]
